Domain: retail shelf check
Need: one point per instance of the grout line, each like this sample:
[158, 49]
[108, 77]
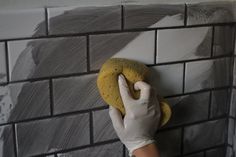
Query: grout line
[96, 71]
[54, 77]
[184, 75]
[46, 22]
[209, 107]
[199, 91]
[51, 95]
[193, 123]
[7, 62]
[15, 141]
[116, 140]
[56, 115]
[185, 14]
[103, 108]
[212, 41]
[192, 60]
[124, 151]
[204, 154]
[78, 148]
[91, 127]
[115, 31]
[88, 53]
[122, 17]
[155, 47]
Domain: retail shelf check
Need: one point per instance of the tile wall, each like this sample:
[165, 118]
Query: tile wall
[50, 57]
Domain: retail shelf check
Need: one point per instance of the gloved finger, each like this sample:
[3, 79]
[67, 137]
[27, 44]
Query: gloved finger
[116, 118]
[145, 89]
[124, 90]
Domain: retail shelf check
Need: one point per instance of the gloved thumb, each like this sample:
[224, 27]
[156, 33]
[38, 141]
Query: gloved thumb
[116, 119]
[124, 91]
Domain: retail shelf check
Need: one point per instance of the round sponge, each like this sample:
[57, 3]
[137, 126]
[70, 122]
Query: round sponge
[133, 71]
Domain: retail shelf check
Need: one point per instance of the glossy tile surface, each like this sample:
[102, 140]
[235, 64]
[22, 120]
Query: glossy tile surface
[167, 79]
[76, 93]
[223, 40]
[22, 23]
[157, 15]
[3, 72]
[52, 134]
[219, 102]
[210, 133]
[137, 46]
[169, 142]
[183, 44]
[24, 101]
[102, 126]
[195, 108]
[206, 13]
[6, 141]
[111, 150]
[207, 74]
[84, 19]
[47, 57]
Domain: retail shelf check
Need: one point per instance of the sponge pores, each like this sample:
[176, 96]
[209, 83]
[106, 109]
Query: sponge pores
[133, 71]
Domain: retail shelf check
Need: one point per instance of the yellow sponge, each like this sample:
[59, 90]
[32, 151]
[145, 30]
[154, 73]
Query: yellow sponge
[133, 71]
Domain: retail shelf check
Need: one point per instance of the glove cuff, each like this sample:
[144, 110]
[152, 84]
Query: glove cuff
[138, 144]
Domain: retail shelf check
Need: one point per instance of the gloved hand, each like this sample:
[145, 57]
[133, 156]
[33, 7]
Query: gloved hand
[138, 127]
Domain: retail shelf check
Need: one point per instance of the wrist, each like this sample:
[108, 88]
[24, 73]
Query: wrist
[149, 150]
[132, 146]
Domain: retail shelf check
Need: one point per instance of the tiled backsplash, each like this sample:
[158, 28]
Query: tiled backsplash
[50, 57]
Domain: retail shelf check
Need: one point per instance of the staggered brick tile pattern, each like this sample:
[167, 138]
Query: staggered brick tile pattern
[210, 133]
[49, 60]
[197, 111]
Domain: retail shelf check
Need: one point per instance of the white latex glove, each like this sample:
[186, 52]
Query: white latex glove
[137, 129]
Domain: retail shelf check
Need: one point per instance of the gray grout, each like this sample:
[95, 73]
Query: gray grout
[15, 142]
[96, 71]
[88, 52]
[185, 14]
[7, 62]
[155, 47]
[122, 17]
[115, 31]
[46, 21]
[212, 41]
[184, 76]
